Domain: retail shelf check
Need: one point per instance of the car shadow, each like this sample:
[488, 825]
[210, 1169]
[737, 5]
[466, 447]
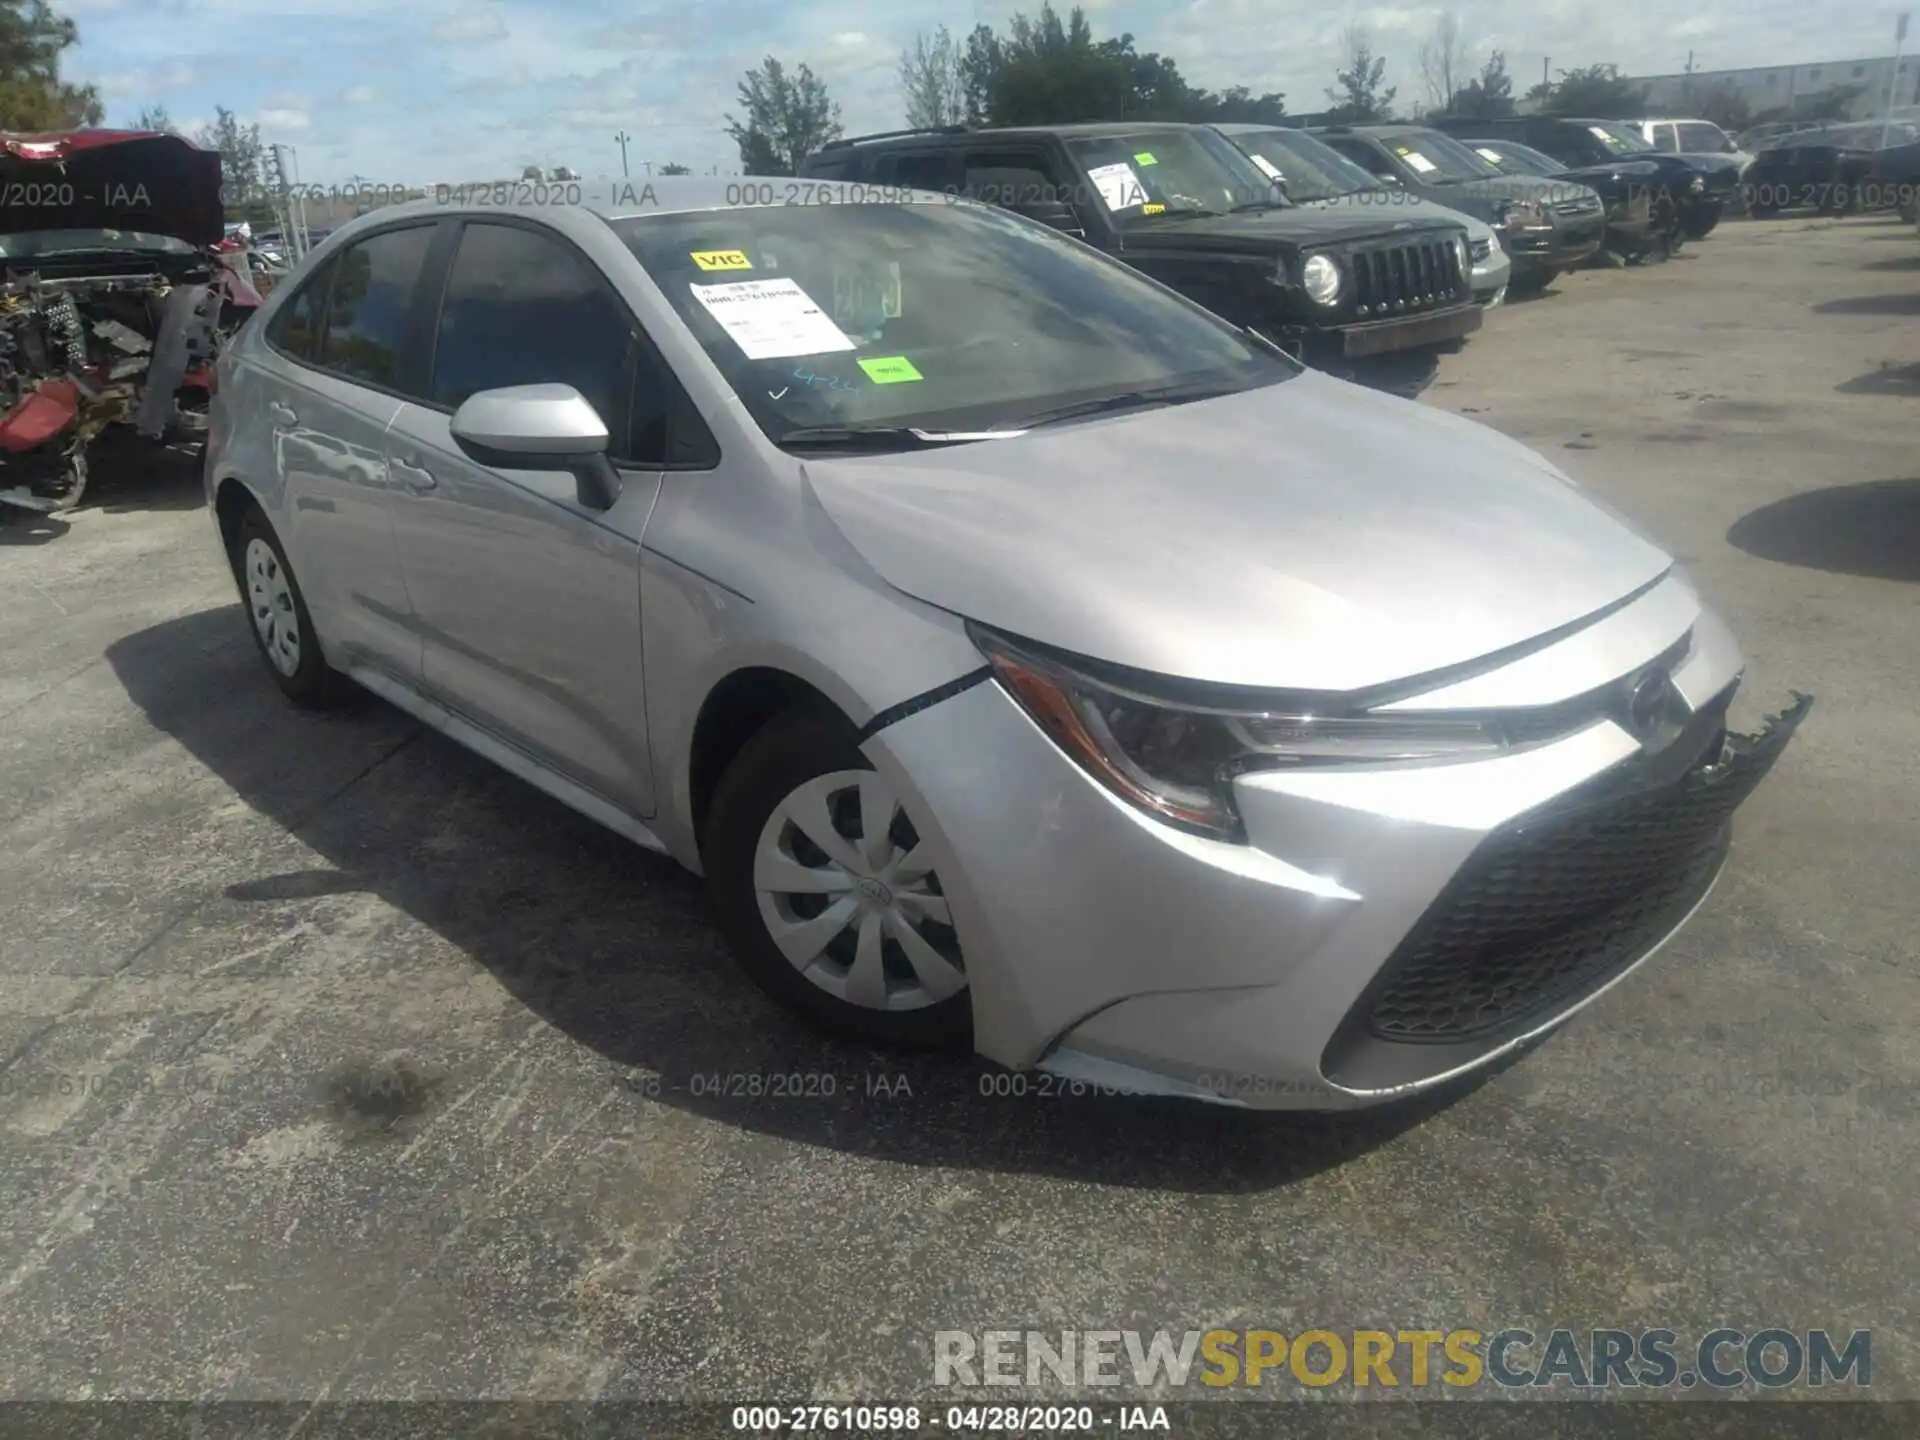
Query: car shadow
[1899, 262]
[612, 946]
[19, 526]
[1871, 530]
[1871, 305]
[126, 473]
[1887, 380]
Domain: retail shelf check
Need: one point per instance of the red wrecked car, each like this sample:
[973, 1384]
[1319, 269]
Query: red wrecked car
[117, 287]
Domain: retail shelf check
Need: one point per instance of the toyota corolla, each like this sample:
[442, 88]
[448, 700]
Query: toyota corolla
[1027, 658]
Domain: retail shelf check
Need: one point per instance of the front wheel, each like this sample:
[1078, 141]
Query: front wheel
[826, 893]
[277, 612]
[1531, 282]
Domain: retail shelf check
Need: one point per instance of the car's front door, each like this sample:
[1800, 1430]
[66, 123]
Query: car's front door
[528, 600]
[343, 340]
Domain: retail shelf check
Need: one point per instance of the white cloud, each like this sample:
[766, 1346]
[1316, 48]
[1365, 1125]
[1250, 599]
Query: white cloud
[276, 118]
[360, 95]
[473, 28]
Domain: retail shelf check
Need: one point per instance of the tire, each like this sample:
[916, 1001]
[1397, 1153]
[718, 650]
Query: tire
[278, 619]
[1532, 282]
[858, 977]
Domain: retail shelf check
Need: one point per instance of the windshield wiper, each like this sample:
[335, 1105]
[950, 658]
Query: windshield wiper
[1252, 205]
[1176, 212]
[1127, 400]
[881, 437]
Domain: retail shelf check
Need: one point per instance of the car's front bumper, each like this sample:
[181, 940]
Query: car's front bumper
[1556, 248]
[1282, 972]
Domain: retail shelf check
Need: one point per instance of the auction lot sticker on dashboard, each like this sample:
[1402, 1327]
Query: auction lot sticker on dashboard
[1118, 185]
[1267, 167]
[771, 319]
[1418, 161]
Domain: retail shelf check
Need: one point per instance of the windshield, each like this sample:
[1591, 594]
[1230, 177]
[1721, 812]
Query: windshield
[1311, 170]
[1618, 139]
[59, 242]
[933, 314]
[1167, 172]
[1700, 137]
[1511, 159]
[1438, 158]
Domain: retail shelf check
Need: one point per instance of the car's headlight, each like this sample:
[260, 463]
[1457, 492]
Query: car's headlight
[1175, 759]
[1320, 278]
[1520, 214]
[1696, 185]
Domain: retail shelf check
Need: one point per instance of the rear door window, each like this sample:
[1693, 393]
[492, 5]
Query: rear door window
[368, 301]
[915, 170]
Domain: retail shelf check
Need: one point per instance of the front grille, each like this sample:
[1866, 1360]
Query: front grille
[1406, 279]
[1556, 903]
[1576, 207]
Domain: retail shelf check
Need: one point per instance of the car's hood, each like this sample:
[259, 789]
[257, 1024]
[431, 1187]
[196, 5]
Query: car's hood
[1308, 535]
[111, 180]
[1399, 204]
[1277, 230]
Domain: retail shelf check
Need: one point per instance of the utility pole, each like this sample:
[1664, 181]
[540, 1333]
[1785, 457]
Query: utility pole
[622, 140]
[1893, 77]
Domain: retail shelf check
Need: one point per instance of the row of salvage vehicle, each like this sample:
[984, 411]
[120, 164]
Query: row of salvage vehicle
[118, 286]
[1366, 251]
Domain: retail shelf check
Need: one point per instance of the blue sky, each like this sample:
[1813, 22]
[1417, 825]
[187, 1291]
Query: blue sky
[419, 91]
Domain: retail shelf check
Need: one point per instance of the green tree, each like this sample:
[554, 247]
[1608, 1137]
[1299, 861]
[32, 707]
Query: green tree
[1051, 70]
[155, 117]
[32, 94]
[1598, 91]
[787, 119]
[1360, 98]
[242, 157]
[933, 80]
[1489, 95]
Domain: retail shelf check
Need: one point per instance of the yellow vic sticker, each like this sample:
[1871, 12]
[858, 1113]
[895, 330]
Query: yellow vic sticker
[1153, 209]
[1145, 157]
[890, 369]
[721, 259]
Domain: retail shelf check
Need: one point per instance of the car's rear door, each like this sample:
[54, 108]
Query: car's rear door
[529, 601]
[340, 350]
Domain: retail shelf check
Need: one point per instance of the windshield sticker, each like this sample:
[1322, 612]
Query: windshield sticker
[1144, 159]
[1118, 185]
[890, 369]
[1485, 154]
[1267, 167]
[1418, 161]
[721, 259]
[1153, 209]
[1599, 134]
[771, 319]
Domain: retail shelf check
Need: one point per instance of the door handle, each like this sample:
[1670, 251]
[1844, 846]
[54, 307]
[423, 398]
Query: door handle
[414, 477]
[281, 414]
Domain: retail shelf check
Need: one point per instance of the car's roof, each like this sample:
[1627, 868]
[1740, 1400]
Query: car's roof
[1088, 129]
[628, 199]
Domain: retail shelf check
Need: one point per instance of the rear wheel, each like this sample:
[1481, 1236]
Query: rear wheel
[826, 893]
[277, 613]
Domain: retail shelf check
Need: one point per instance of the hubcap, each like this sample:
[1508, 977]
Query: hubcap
[850, 898]
[270, 601]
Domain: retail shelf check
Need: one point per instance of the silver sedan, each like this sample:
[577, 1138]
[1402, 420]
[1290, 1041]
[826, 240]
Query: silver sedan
[1027, 658]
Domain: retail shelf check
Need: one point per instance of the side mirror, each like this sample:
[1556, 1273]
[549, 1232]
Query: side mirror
[539, 427]
[1055, 213]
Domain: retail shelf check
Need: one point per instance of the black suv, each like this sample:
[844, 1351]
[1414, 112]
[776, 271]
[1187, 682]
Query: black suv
[1374, 297]
[1546, 225]
[1700, 187]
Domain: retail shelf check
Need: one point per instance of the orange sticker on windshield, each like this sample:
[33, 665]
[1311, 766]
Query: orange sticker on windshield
[721, 259]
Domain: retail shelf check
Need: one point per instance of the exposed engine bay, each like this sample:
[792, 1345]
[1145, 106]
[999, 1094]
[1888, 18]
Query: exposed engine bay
[107, 324]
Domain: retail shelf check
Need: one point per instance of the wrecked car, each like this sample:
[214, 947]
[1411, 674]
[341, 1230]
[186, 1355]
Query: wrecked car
[116, 289]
